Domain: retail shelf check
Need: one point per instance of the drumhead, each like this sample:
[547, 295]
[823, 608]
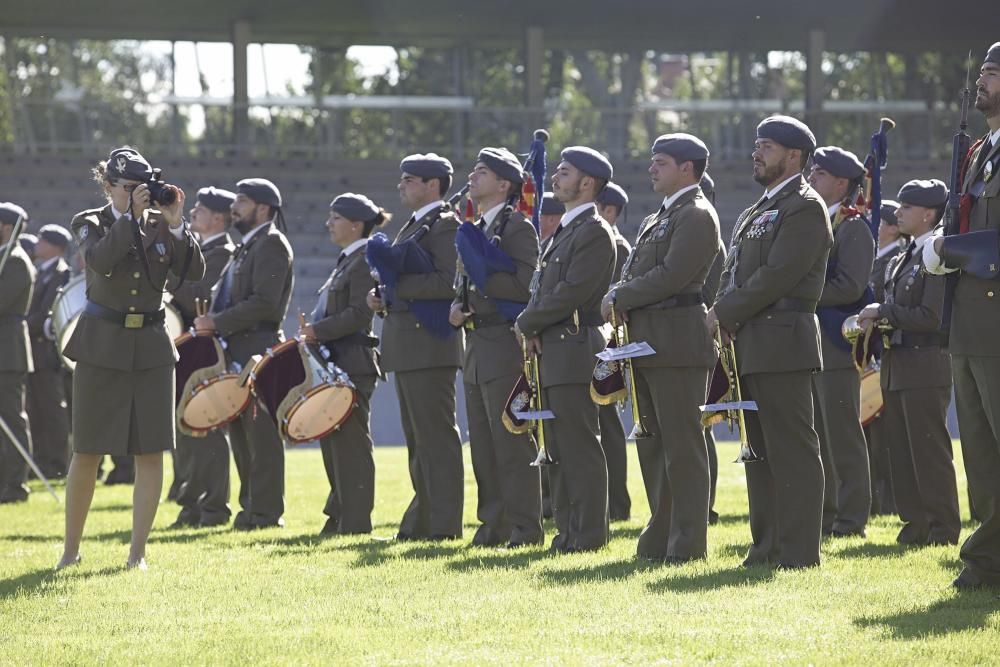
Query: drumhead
[214, 403]
[871, 396]
[318, 413]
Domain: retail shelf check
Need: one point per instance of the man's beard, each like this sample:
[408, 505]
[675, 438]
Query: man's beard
[988, 105]
[769, 175]
[567, 193]
[244, 225]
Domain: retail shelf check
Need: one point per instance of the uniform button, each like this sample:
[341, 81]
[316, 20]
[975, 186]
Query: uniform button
[134, 292]
[136, 275]
[562, 336]
[990, 294]
[418, 325]
[544, 264]
[769, 316]
[628, 277]
[131, 309]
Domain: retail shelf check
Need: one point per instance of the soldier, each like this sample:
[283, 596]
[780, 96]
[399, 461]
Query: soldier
[660, 295]
[610, 204]
[342, 323]
[509, 487]
[890, 242]
[46, 390]
[250, 303]
[836, 176]
[16, 282]
[203, 463]
[123, 382]
[916, 377]
[548, 217]
[772, 281]
[426, 363]
[562, 325]
[975, 323]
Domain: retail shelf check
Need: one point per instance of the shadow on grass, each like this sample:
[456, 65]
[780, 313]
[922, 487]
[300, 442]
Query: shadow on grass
[682, 581]
[964, 611]
[497, 559]
[608, 571]
[871, 550]
[732, 520]
[30, 582]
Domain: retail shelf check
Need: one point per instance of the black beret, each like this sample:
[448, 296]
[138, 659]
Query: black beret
[128, 163]
[682, 147]
[840, 163]
[430, 165]
[28, 243]
[260, 190]
[787, 131]
[10, 212]
[589, 162]
[551, 205]
[887, 213]
[216, 199]
[929, 194]
[356, 208]
[56, 235]
[614, 195]
[503, 163]
[993, 54]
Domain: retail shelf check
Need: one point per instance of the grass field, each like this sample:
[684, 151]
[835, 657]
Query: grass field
[284, 596]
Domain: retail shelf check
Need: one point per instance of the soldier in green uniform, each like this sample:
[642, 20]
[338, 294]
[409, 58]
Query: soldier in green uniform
[549, 216]
[123, 383]
[249, 305]
[836, 175]
[342, 323]
[610, 204]
[46, 390]
[509, 488]
[203, 463]
[660, 295]
[916, 377]
[16, 283]
[425, 356]
[975, 323]
[562, 324]
[772, 282]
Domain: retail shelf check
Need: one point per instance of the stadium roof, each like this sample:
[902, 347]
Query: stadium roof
[667, 25]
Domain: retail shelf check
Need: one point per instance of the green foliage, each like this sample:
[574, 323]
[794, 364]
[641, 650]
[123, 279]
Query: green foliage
[287, 596]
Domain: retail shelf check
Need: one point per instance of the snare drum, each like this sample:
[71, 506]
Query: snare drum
[69, 303]
[208, 395]
[307, 396]
[871, 396]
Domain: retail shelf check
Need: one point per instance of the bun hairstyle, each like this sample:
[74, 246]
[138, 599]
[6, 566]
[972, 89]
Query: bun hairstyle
[380, 219]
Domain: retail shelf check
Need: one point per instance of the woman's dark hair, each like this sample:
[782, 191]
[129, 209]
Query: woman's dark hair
[381, 218]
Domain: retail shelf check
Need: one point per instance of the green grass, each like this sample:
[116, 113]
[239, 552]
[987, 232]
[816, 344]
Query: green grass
[285, 596]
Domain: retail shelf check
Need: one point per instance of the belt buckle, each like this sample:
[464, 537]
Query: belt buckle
[134, 320]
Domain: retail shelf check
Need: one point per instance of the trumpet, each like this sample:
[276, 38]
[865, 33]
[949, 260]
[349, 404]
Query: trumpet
[533, 374]
[727, 359]
[639, 430]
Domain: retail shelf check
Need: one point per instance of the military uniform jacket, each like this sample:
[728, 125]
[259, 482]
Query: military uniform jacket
[116, 280]
[573, 275]
[16, 284]
[976, 309]
[622, 251]
[347, 313]
[711, 288]
[492, 351]
[880, 268]
[915, 358]
[406, 344]
[217, 253]
[47, 283]
[673, 255]
[775, 269]
[850, 261]
[261, 288]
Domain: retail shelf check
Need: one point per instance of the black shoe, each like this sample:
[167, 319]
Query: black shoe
[860, 532]
[966, 581]
[210, 521]
[651, 558]
[242, 521]
[794, 566]
[443, 537]
[713, 517]
[329, 528]
[615, 518]
[405, 537]
[189, 517]
[14, 494]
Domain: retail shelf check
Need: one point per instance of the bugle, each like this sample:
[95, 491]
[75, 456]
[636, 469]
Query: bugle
[725, 399]
[639, 430]
[534, 375]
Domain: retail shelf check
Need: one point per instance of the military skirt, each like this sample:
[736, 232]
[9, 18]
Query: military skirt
[123, 412]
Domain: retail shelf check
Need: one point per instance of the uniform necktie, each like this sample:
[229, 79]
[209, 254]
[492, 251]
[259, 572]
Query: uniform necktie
[223, 297]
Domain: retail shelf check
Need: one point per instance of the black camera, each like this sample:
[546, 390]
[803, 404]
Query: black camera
[161, 193]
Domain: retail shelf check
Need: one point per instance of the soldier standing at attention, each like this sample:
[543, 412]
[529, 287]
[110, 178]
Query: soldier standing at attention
[425, 363]
[123, 383]
[509, 488]
[975, 355]
[16, 284]
[836, 175]
[46, 391]
[562, 325]
[772, 281]
[203, 463]
[249, 305]
[660, 295]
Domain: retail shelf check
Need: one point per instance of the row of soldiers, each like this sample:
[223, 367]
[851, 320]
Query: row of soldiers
[800, 257]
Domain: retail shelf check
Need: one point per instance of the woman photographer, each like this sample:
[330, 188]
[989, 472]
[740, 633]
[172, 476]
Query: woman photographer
[123, 385]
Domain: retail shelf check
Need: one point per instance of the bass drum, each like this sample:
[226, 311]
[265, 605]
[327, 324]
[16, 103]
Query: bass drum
[871, 396]
[307, 396]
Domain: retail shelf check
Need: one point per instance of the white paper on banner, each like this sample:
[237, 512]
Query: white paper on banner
[734, 405]
[639, 349]
[535, 414]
